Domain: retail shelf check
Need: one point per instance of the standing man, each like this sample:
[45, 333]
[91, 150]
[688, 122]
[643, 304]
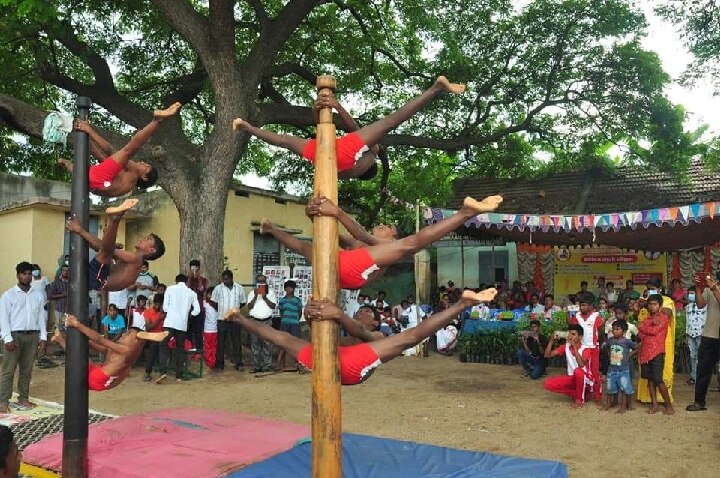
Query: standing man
[709, 350]
[198, 283]
[144, 284]
[180, 302]
[228, 295]
[58, 292]
[627, 292]
[24, 331]
[261, 303]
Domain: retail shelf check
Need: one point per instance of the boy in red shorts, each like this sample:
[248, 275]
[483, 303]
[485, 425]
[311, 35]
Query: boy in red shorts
[120, 355]
[353, 157]
[116, 175]
[364, 258]
[366, 348]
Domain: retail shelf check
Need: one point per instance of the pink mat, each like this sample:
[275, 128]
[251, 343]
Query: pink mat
[184, 442]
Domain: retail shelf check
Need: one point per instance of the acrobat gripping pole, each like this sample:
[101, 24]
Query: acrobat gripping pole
[326, 406]
[75, 428]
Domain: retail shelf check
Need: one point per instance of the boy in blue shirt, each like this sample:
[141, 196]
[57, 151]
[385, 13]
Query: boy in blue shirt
[114, 324]
[290, 308]
[619, 383]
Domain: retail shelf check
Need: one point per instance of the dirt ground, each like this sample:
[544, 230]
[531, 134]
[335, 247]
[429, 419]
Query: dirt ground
[440, 401]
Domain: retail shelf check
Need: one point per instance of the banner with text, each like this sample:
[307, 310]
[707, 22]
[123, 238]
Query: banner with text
[574, 265]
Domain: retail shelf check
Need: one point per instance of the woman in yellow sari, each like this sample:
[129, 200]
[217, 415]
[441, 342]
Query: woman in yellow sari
[668, 306]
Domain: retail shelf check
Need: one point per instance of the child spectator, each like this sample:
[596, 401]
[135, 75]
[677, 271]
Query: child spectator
[138, 319]
[619, 383]
[653, 332]
[695, 322]
[154, 317]
[290, 311]
[113, 323]
[210, 329]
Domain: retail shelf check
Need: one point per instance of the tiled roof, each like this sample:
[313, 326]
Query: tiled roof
[627, 188]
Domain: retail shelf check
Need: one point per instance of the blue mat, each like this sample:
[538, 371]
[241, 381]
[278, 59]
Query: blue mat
[372, 457]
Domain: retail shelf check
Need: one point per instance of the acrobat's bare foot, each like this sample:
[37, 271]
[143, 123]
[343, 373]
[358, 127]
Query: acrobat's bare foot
[167, 112]
[266, 226]
[71, 321]
[73, 224]
[488, 204]
[483, 296]
[153, 336]
[239, 124]
[66, 163]
[231, 313]
[576, 405]
[57, 337]
[120, 209]
[457, 88]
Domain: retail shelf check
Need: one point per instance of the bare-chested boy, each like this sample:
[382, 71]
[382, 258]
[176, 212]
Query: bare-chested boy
[365, 258]
[120, 355]
[127, 264]
[354, 160]
[368, 348]
[116, 174]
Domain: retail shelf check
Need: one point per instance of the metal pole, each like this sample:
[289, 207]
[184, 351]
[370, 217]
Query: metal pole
[75, 428]
[326, 404]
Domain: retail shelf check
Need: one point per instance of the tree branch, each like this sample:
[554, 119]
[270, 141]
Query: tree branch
[274, 37]
[260, 13]
[192, 26]
[285, 69]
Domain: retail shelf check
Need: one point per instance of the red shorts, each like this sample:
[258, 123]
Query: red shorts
[357, 362]
[348, 150]
[354, 267]
[101, 175]
[97, 379]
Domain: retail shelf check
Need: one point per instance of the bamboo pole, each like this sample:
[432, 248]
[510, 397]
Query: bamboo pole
[326, 406]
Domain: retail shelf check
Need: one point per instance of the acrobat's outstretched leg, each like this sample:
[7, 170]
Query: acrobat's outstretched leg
[289, 343]
[289, 142]
[388, 253]
[390, 347]
[373, 133]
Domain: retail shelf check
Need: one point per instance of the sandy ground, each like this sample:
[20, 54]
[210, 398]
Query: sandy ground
[439, 400]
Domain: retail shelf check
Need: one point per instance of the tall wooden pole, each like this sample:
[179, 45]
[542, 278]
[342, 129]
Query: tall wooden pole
[75, 427]
[326, 406]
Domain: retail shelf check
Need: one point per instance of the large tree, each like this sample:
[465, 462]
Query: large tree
[559, 79]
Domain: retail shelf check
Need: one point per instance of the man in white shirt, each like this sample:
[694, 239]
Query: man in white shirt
[353, 306]
[227, 295]
[144, 284]
[23, 327]
[180, 302]
[261, 302]
[121, 299]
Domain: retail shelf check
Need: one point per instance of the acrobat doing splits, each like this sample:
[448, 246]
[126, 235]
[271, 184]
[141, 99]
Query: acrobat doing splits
[365, 257]
[128, 265]
[354, 156]
[367, 348]
[121, 355]
[116, 174]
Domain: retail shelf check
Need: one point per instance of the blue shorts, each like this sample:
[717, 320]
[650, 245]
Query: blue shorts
[292, 329]
[619, 380]
[97, 274]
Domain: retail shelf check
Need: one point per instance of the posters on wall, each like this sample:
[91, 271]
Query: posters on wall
[278, 275]
[574, 265]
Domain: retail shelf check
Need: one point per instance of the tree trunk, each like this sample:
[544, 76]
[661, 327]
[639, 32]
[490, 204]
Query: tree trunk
[200, 194]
